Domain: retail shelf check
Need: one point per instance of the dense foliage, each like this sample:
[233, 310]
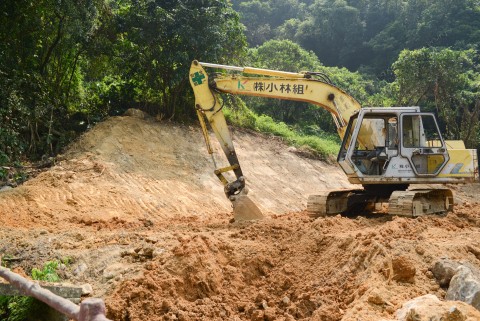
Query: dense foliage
[156, 42]
[42, 45]
[363, 33]
[67, 64]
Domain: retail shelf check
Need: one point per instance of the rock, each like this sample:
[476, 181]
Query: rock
[429, 307]
[443, 270]
[87, 289]
[285, 301]
[129, 252]
[264, 305]
[420, 250]
[80, 269]
[132, 112]
[465, 286]
[403, 269]
[158, 252]
[5, 188]
[258, 315]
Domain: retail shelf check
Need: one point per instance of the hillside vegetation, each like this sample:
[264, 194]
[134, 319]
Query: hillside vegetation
[65, 65]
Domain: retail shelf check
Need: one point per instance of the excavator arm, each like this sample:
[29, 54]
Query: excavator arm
[304, 86]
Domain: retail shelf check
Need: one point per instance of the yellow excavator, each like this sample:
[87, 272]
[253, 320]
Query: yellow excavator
[385, 149]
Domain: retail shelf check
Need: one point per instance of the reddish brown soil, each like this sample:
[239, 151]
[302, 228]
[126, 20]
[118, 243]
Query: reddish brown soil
[135, 207]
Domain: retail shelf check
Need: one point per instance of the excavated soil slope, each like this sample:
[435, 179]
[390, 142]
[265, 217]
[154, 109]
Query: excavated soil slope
[136, 209]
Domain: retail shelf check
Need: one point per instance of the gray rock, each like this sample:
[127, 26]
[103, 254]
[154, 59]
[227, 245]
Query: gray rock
[285, 301]
[87, 289]
[80, 269]
[443, 270]
[5, 188]
[465, 286]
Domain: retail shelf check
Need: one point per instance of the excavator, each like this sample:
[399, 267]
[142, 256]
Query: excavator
[384, 149]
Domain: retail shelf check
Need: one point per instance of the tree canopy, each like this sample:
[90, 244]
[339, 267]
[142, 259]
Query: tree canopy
[65, 64]
[442, 81]
[365, 34]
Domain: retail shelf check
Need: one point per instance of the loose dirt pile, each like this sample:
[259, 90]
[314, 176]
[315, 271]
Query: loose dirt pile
[137, 211]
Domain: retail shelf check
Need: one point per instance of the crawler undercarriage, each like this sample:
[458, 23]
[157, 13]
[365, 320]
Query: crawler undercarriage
[381, 199]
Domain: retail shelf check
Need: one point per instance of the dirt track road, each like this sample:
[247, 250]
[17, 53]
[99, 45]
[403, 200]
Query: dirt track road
[135, 206]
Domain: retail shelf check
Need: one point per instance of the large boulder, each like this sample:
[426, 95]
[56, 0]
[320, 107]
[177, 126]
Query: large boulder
[465, 286]
[429, 307]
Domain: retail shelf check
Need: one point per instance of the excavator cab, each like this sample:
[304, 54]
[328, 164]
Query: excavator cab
[381, 144]
[367, 156]
[386, 150]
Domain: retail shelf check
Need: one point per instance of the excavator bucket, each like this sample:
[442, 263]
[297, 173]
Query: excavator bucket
[244, 209]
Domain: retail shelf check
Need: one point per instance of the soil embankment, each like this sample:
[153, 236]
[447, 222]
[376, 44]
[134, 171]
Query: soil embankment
[136, 208]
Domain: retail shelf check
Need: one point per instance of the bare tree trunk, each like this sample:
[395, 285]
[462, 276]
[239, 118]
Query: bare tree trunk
[53, 45]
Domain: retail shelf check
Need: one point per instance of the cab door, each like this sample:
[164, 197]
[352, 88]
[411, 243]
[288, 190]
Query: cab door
[369, 143]
[422, 144]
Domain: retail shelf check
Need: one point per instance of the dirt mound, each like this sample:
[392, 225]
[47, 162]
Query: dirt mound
[133, 169]
[136, 211]
[295, 268]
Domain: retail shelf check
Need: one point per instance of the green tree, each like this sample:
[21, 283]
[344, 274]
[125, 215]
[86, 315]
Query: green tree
[446, 23]
[446, 82]
[157, 40]
[41, 47]
[287, 56]
[425, 23]
[334, 32]
[263, 18]
[365, 35]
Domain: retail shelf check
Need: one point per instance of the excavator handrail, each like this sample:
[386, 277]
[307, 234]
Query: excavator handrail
[256, 71]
